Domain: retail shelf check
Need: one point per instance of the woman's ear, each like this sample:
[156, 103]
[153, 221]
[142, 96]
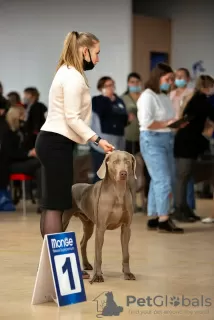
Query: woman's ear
[103, 169]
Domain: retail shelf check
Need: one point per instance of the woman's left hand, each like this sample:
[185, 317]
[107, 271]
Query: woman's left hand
[32, 153]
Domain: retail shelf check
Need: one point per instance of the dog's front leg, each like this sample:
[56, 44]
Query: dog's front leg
[99, 240]
[125, 237]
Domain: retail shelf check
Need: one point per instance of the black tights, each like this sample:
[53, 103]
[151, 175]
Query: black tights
[51, 221]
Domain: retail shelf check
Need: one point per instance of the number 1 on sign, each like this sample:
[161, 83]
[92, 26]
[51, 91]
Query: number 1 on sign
[67, 267]
[67, 274]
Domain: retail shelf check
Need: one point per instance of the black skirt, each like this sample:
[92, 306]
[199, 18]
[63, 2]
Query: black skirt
[55, 153]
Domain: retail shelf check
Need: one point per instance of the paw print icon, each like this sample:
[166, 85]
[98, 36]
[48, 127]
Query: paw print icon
[175, 301]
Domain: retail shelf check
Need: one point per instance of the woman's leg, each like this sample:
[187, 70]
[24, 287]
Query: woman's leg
[155, 152]
[191, 194]
[184, 172]
[51, 222]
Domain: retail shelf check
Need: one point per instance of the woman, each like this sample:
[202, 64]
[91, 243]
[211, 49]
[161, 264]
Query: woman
[109, 119]
[67, 122]
[15, 99]
[130, 98]
[13, 157]
[190, 142]
[177, 96]
[155, 113]
[182, 79]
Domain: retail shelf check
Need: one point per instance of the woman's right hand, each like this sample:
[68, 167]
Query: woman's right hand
[107, 147]
[168, 122]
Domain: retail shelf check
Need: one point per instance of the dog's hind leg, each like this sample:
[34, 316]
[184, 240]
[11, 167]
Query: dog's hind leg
[66, 216]
[88, 228]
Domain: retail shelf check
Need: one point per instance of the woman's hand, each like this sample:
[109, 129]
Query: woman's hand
[131, 116]
[107, 147]
[32, 153]
[168, 122]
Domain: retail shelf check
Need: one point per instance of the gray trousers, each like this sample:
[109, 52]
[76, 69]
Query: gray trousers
[184, 169]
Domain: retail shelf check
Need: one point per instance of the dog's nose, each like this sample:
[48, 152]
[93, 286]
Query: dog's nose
[123, 174]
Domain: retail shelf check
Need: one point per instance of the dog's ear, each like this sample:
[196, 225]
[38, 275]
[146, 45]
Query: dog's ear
[103, 169]
[134, 163]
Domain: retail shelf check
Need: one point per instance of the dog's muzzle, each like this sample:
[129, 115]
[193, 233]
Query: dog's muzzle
[123, 175]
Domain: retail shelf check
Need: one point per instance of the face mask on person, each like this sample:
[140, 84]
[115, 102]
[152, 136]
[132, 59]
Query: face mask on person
[164, 86]
[180, 83]
[88, 65]
[26, 101]
[135, 89]
[103, 91]
[210, 92]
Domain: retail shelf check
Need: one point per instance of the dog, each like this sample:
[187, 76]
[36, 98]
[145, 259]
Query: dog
[107, 204]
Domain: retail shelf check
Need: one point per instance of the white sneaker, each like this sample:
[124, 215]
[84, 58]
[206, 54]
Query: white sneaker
[208, 220]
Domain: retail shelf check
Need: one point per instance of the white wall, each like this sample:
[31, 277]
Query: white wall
[32, 35]
[192, 29]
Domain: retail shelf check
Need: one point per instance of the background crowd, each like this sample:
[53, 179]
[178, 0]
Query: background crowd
[138, 122]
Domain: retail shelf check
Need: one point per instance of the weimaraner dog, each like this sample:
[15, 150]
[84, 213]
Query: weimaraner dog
[107, 204]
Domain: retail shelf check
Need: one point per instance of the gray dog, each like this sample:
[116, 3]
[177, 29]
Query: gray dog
[108, 204]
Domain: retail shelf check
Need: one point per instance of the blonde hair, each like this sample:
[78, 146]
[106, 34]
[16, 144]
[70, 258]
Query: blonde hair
[204, 82]
[70, 54]
[13, 117]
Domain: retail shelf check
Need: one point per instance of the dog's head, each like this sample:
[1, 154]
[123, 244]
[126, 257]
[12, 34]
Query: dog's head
[119, 165]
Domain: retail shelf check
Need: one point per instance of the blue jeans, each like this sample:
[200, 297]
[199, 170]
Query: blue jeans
[157, 152]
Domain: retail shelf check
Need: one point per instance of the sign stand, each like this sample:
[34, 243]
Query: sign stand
[59, 276]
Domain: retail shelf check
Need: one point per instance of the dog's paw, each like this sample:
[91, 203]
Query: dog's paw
[87, 266]
[129, 276]
[97, 278]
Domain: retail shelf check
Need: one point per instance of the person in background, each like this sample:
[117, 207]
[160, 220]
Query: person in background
[109, 119]
[211, 100]
[155, 114]
[177, 96]
[15, 99]
[130, 98]
[5, 104]
[13, 157]
[35, 115]
[132, 132]
[190, 143]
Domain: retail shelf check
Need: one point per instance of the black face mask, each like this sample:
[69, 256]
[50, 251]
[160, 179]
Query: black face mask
[88, 65]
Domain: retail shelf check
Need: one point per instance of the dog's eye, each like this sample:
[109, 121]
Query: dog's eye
[115, 162]
[127, 162]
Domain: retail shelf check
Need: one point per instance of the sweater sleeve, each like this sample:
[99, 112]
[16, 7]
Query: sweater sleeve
[146, 110]
[73, 90]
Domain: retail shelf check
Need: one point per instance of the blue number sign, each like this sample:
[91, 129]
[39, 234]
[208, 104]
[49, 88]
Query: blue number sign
[66, 268]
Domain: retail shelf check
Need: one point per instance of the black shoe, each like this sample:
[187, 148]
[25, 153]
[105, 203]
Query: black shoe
[152, 224]
[192, 215]
[182, 215]
[169, 226]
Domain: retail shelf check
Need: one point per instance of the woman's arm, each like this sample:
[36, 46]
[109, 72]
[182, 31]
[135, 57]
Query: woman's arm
[73, 91]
